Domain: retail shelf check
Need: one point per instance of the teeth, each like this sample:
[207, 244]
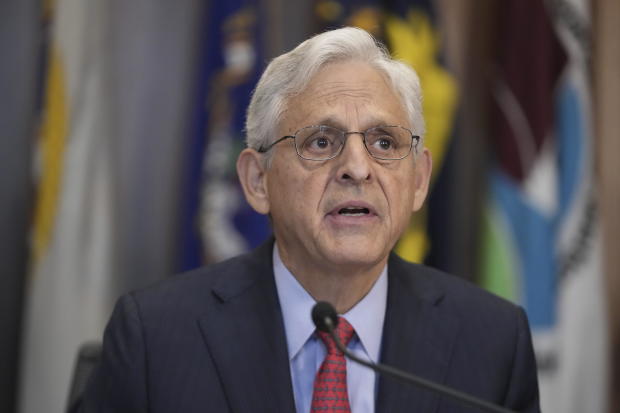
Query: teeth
[354, 212]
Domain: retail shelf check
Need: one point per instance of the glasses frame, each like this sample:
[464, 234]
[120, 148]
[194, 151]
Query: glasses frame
[415, 138]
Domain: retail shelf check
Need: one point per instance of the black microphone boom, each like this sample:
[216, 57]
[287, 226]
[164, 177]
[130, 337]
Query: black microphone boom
[325, 319]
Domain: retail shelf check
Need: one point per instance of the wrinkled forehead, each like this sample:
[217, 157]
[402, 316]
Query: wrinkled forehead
[342, 90]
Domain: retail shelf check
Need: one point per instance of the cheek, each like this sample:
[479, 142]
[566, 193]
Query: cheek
[403, 197]
[295, 193]
[304, 195]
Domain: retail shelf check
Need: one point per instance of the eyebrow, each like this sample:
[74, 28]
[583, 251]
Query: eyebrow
[334, 122]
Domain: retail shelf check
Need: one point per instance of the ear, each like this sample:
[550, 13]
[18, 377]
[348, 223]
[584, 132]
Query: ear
[423, 169]
[253, 180]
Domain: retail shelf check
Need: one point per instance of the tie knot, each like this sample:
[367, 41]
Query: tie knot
[344, 331]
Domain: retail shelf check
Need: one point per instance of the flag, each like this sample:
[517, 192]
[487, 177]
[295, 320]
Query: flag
[408, 29]
[217, 221]
[541, 233]
[117, 92]
[412, 36]
[365, 14]
[68, 294]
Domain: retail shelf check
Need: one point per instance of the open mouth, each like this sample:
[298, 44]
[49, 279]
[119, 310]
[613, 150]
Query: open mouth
[353, 212]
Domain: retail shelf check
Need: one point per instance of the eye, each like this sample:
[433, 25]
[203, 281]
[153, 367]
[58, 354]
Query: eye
[319, 142]
[383, 143]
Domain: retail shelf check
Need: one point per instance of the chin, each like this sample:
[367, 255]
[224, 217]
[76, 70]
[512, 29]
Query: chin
[356, 256]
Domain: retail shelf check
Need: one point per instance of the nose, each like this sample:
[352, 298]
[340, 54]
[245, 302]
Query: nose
[354, 162]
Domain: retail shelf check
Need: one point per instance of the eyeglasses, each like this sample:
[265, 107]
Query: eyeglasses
[321, 142]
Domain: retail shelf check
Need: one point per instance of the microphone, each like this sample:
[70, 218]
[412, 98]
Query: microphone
[325, 319]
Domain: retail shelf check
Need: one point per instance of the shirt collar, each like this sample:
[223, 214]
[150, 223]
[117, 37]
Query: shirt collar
[366, 316]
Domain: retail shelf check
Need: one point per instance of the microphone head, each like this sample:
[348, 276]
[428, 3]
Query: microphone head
[324, 316]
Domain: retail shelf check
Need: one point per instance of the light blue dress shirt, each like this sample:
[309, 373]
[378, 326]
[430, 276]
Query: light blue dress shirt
[306, 351]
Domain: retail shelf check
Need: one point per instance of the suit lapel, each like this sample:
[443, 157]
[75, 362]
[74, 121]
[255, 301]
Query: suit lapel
[417, 338]
[244, 333]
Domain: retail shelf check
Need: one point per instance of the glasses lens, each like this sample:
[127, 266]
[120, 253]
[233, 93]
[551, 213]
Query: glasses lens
[318, 142]
[389, 142]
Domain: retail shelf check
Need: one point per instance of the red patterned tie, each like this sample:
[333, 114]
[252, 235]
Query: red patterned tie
[330, 385]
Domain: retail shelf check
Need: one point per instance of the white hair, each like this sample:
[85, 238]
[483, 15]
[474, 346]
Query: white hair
[290, 73]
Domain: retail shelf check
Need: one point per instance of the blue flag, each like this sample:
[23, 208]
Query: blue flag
[217, 221]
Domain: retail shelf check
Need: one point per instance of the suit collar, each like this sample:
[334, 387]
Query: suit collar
[254, 268]
[244, 333]
[418, 337]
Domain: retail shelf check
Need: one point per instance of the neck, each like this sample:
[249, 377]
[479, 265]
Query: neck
[342, 286]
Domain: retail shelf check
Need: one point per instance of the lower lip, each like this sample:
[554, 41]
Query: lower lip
[348, 220]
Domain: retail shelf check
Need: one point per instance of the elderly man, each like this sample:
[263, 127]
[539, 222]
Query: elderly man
[336, 158]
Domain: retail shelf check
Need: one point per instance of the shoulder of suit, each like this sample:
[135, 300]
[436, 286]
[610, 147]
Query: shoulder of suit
[190, 291]
[449, 290]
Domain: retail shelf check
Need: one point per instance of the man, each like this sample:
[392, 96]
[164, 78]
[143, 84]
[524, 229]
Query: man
[335, 157]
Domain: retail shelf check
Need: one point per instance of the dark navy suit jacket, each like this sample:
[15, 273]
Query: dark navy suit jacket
[213, 340]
